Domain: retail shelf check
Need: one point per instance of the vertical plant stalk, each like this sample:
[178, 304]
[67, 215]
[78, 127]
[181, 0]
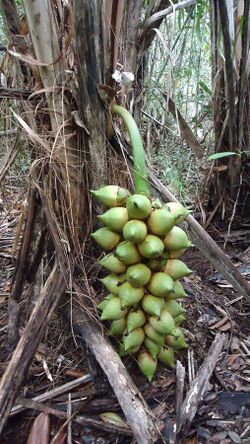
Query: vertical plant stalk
[140, 167]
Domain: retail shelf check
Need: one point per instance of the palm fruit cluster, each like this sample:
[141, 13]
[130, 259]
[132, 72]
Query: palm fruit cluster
[143, 245]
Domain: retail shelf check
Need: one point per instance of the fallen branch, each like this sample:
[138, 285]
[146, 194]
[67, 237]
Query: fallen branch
[8, 132]
[185, 129]
[180, 382]
[14, 93]
[81, 420]
[10, 155]
[50, 394]
[208, 247]
[152, 21]
[200, 384]
[15, 373]
[20, 275]
[141, 419]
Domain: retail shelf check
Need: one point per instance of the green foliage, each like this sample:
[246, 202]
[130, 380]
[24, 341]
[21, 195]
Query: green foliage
[179, 63]
[221, 155]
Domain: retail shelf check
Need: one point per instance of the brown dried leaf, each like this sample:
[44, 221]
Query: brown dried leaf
[74, 373]
[27, 58]
[61, 438]
[193, 440]
[225, 327]
[40, 430]
[234, 346]
[219, 324]
[231, 359]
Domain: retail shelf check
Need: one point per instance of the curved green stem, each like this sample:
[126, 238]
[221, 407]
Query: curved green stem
[140, 167]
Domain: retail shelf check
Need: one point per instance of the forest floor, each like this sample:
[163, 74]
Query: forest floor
[224, 414]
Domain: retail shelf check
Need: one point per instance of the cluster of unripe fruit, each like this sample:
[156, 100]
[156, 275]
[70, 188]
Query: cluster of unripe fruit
[144, 246]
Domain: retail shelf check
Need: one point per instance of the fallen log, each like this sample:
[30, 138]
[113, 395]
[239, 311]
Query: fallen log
[15, 373]
[200, 384]
[140, 418]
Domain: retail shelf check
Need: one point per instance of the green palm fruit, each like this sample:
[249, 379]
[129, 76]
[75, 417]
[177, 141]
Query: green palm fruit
[104, 302]
[156, 203]
[115, 218]
[179, 319]
[133, 339]
[166, 356]
[127, 253]
[135, 231]
[151, 333]
[160, 285]
[138, 206]
[147, 365]
[178, 210]
[130, 350]
[176, 254]
[176, 269]
[133, 350]
[111, 195]
[113, 310]
[178, 291]
[129, 295]
[163, 324]
[112, 263]
[113, 281]
[176, 239]
[152, 304]
[161, 221]
[152, 247]
[106, 238]
[117, 327]
[156, 264]
[174, 308]
[138, 275]
[176, 339]
[135, 319]
[152, 347]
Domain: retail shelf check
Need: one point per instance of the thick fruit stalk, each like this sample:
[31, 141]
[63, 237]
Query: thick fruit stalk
[140, 167]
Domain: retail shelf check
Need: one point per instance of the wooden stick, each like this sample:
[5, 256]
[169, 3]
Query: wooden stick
[151, 21]
[180, 381]
[20, 274]
[208, 247]
[185, 129]
[65, 388]
[82, 420]
[12, 379]
[199, 386]
[141, 419]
